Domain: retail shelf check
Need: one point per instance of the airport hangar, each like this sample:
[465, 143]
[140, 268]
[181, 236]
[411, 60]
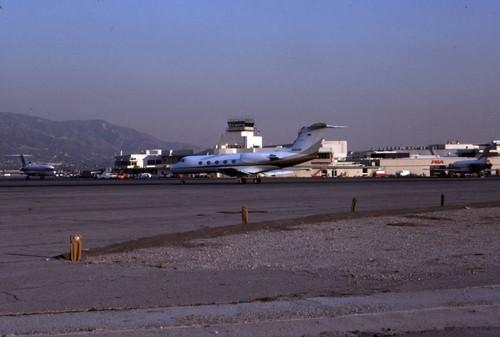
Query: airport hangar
[333, 160]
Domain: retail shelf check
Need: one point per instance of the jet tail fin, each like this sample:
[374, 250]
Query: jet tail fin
[486, 153]
[310, 135]
[21, 156]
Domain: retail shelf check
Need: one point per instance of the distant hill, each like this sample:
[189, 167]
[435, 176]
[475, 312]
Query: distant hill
[81, 144]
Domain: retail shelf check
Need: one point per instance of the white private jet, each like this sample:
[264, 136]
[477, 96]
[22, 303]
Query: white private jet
[245, 165]
[476, 166]
[31, 170]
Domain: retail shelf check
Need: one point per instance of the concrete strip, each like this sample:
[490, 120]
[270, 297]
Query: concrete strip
[381, 313]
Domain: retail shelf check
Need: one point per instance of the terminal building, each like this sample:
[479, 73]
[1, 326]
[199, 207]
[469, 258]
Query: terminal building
[156, 162]
[422, 160]
[333, 160]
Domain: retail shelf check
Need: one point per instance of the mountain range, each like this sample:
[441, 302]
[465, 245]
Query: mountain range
[78, 144]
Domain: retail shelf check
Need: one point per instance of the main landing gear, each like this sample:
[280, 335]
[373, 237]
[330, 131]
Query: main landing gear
[256, 180]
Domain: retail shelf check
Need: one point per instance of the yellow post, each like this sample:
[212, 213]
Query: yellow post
[76, 247]
[244, 214]
[353, 207]
[442, 200]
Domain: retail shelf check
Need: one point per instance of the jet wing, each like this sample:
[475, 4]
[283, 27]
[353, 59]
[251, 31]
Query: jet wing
[240, 171]
[463, 170]
[447, 170]
[277, 172]
[435, 169]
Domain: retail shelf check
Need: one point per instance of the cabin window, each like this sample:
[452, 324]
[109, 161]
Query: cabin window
[216, 162]
[233, 161]
[200, 163]
[225, 161]
[209, 162]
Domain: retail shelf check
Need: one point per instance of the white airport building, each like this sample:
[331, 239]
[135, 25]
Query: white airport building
[333, 159]
[422, 160]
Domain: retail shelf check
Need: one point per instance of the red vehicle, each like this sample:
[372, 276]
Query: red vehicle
[380, 173]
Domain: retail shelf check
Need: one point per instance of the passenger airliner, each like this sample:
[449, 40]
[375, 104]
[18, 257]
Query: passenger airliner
[245, 165]
[463, 167]
[31, 170]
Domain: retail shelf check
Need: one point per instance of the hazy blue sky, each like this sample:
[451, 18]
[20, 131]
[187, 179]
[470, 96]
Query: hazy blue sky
[396, 72]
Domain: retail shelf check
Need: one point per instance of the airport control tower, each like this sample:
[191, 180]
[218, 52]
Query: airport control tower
[240, 134]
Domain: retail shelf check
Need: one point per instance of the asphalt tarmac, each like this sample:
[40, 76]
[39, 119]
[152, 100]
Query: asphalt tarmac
[38, 217]
[44, 295]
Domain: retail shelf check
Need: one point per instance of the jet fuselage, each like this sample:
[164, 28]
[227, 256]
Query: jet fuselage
[305, 148]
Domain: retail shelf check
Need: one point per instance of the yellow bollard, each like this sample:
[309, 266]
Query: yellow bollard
[353, 207]
[442, 200]
[244, 214]
[76, 247]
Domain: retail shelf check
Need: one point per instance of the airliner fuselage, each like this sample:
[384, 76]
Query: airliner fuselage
[31, 170]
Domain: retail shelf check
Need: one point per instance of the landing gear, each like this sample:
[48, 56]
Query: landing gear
[256, 180]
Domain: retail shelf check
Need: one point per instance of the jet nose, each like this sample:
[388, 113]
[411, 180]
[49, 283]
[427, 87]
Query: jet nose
[175, 168]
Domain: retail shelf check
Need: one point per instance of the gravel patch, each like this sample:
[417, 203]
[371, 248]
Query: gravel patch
[410, 246]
